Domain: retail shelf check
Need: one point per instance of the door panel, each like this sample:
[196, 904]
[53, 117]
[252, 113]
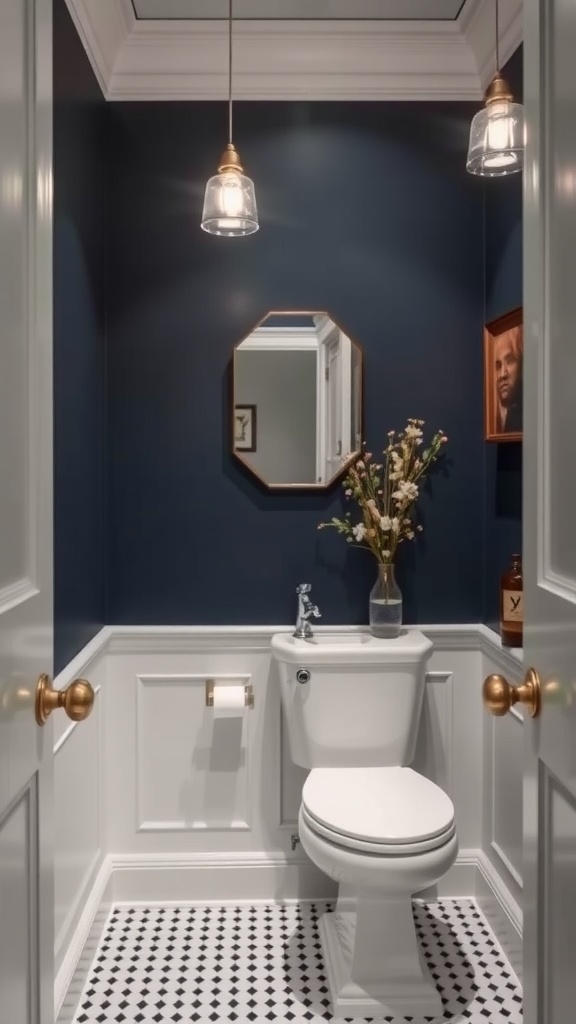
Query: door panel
[550, 510]
[14, 178]
[14, 254]
[26, 889]
[557, 899]
[18, 947]
[559, 39]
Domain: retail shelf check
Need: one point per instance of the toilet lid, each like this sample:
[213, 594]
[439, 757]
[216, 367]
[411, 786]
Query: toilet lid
[378, 805]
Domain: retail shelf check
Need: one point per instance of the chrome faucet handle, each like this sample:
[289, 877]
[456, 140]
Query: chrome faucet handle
[305, 610]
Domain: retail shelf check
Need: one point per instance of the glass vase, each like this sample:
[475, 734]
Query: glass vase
[385, 604]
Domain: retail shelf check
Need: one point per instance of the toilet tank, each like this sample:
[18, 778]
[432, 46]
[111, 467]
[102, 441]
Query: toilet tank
[351, 699]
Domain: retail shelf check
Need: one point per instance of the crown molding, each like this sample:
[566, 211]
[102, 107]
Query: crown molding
[478, 29]
[104, 27]
[290, 60]
[295, 61]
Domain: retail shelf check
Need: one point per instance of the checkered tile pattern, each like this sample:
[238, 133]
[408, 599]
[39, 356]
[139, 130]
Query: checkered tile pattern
[263, 964]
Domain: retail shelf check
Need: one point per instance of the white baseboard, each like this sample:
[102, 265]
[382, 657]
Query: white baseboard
[254, 877]
[501, 911]
[76, 962]
[227, 877]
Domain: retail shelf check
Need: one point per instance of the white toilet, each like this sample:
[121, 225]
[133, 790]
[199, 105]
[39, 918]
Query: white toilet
[382, 831]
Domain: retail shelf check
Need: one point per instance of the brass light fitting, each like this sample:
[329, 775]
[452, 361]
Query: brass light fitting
[230, 161]
[496, 146]
[498, 91]
[230, 200]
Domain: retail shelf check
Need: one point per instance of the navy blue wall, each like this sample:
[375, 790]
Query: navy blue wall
[503, 513]
[79, 328]
[366, 210]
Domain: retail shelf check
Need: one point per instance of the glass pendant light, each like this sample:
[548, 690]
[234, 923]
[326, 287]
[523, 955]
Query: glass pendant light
[230, 201]
[496, 144]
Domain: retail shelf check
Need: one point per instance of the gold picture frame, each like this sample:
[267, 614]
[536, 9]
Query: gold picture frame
[503, 359]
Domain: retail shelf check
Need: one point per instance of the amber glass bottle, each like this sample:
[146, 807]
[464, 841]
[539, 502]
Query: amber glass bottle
[512, 604]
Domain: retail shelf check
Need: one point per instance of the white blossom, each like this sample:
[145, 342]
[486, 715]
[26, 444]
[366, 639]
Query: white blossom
[414, 433]
[407, 491]
[386, 492]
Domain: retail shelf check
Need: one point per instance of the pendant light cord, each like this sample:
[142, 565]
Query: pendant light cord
[497, 37]
[230, 71]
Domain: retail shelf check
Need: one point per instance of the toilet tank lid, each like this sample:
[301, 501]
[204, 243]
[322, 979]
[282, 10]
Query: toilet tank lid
[352, 647]
[387, 805]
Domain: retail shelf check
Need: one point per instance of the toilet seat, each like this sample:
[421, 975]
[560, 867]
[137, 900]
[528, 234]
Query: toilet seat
[378, 849]
[384, 811]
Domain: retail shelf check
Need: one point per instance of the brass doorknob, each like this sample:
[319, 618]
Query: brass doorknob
[77, 699]
[499, 695]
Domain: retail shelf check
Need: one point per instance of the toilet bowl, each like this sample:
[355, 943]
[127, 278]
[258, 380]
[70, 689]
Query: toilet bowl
[382, 834]
[382, 831]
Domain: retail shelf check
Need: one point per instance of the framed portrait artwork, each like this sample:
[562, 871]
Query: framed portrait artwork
[245, 428]
[503, 358]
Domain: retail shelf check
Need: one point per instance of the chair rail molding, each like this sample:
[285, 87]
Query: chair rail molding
[294, 60]
[192, 639]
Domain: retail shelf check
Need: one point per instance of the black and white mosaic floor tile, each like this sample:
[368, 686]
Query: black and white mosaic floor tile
[263, 965]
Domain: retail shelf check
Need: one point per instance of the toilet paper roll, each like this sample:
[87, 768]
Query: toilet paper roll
[229, 701]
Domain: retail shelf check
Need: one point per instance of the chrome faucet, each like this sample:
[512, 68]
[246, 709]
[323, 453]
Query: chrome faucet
[305, 610]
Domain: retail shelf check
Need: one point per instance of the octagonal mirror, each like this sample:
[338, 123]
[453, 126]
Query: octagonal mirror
[297, 400]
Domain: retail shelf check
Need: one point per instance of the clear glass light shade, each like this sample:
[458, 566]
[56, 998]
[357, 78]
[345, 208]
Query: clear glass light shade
[497, 140]
[230, 205]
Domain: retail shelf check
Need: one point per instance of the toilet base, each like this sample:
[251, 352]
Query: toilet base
[373, 963]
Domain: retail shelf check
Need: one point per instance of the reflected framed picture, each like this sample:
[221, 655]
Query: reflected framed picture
[503, 359]
[245, 428]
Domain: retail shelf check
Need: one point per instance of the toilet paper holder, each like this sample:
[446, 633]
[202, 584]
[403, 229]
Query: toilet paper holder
[248, 694]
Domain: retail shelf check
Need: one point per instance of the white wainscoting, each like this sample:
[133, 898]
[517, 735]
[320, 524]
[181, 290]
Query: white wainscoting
[502, 760]
[79, 815]
[193, 768]
[161, 800]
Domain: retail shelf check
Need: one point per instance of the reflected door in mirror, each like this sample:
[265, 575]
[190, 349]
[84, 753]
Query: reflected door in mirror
[297, 390]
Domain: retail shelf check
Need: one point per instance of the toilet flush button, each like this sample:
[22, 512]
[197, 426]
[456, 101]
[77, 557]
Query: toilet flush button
[303, 675]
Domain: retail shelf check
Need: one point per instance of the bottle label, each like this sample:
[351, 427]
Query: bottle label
[512, 605]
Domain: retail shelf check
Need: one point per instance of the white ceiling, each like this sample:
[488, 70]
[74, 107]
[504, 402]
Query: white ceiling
[306, 10]
[448, 55]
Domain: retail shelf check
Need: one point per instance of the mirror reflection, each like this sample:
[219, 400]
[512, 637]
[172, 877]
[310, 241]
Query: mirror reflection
[297, 400]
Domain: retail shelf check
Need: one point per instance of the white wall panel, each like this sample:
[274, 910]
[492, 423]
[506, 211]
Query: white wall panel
[292, 778]
[192, 766]
[79, 828]
[179, 779]
[433, 750]
[19, 905]
[503, 780]
[506, 795]
[449, 749]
